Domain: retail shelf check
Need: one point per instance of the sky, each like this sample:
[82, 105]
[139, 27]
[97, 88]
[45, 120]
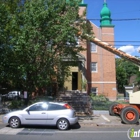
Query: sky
[125, 15]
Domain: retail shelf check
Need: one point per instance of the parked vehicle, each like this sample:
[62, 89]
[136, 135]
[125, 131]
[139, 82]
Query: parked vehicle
[12, 95]
[57, 114]
[129, 113]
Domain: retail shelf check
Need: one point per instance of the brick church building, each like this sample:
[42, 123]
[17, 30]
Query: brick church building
[95, 72]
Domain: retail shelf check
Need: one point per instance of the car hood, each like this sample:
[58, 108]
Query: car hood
[14, 112]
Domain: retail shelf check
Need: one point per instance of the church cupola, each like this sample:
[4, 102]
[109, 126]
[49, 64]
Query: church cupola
[105, 15]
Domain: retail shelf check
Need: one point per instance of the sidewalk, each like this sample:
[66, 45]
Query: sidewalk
[100, 118]
[1, 119]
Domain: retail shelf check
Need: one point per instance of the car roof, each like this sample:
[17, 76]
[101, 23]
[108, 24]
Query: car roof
[50, 102]
[13, 91]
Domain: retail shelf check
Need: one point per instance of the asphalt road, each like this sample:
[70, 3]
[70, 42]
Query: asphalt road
[101, 127]
[82, 133]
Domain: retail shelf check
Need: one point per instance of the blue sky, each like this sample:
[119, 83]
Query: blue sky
[127, 28]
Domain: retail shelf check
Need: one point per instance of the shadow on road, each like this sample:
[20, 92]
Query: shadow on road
[75, 126]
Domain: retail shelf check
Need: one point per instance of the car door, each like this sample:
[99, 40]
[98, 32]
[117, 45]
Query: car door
[36, 114]
[54, 111]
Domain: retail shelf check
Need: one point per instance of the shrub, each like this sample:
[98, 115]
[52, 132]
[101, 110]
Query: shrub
[99, 97]
[16, 104]
[100, 102]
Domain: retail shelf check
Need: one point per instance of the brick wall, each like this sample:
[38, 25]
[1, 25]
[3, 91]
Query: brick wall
[105, 77]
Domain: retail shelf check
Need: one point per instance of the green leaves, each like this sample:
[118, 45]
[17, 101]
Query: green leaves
[124, 70]
[35, 35]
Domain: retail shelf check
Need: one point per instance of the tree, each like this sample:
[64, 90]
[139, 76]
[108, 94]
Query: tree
[121, 76]
[138, 78]
[130, 68]
[7, 10]
[124, 70]
[41, 33]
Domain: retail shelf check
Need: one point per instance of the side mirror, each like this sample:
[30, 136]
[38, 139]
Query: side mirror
[28, 111]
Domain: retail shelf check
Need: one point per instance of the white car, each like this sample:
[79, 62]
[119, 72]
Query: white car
[57, 114]
[13, 95]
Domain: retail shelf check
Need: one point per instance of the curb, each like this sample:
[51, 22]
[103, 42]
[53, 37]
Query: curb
[120, 125]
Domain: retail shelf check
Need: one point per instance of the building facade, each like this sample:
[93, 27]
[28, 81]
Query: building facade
[95, 72]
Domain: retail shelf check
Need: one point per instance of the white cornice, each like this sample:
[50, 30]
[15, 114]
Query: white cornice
[103, 82]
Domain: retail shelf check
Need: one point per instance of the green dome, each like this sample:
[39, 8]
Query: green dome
[105, 16]
[105, 11]
[82, 2]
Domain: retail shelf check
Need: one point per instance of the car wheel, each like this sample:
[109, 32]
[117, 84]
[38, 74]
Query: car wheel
[129, 115]
[14, 122]
[111, 112]
[62, 124]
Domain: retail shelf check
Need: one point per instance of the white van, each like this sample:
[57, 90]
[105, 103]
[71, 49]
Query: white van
[13, 94]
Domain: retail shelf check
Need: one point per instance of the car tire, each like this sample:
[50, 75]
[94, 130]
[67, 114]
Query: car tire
[14, 122]
[62, 124]
[111, 112]
[129, 115]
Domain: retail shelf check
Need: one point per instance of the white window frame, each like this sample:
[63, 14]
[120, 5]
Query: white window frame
[93, 66]
[93, 47]
[94, 90]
